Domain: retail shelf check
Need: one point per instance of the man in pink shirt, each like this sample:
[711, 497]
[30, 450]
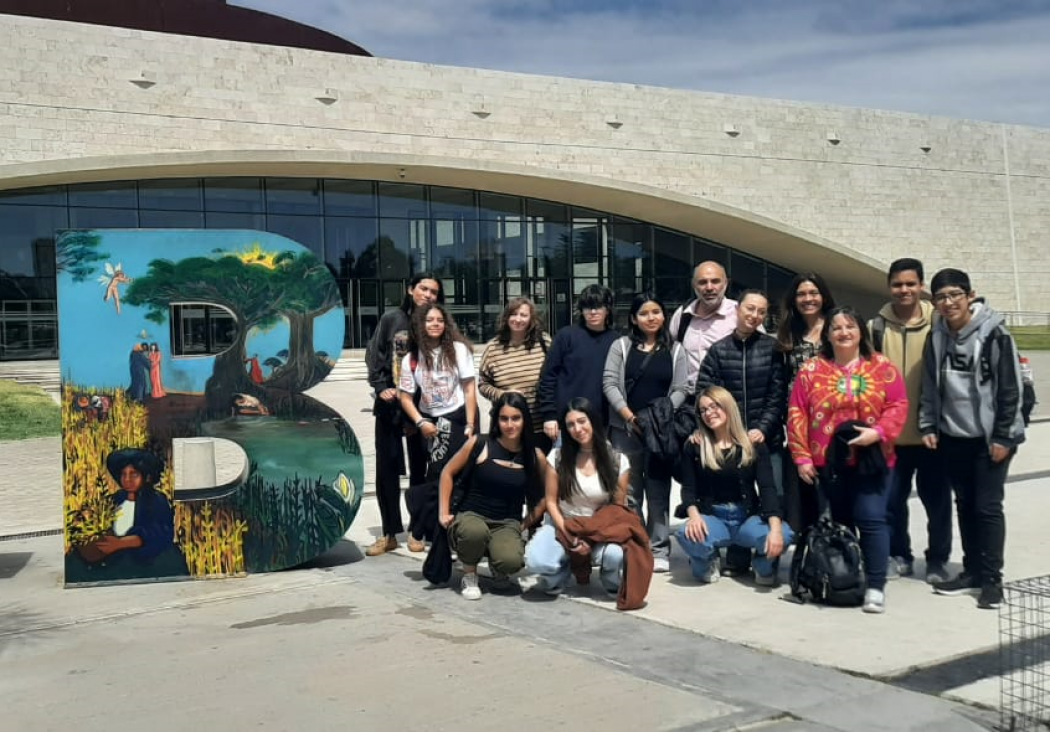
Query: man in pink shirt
[708, 318]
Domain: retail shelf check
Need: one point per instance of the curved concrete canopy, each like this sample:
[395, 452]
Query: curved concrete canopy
[737, 228]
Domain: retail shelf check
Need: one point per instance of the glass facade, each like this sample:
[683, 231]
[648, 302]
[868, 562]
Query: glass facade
[486, 247]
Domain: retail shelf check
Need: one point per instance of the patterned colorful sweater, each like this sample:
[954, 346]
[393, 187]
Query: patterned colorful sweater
[825, 395]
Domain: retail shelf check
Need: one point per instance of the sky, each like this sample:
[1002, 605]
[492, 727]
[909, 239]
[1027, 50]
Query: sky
[971, 59]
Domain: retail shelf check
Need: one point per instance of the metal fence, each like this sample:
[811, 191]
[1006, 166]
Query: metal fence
[1024, 655]
[1027, 318]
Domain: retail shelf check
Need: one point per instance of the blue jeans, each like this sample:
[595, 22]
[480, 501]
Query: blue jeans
[729, 524]
[546, 557]
[861, 503]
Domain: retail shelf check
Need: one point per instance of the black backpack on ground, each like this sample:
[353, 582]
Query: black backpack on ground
[828, 566]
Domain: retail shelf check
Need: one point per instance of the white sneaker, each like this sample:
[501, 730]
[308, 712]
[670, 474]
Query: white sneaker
[874, 601]
[713, 573]
[468, 587]
[661, 564]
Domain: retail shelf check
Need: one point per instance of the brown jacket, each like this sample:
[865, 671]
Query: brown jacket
[616, 524]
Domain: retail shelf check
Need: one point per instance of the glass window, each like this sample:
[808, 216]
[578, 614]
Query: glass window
[671, 254]
[496, 206]
[293, 196]
[549, 242]
[305, 230]
[705, 251]
[171, 219]
[103, 218]
[745, 273]
[587, 241]
[251, 222]
[181, 194]
[777, 282]
[502, 243]
[237, 195]
[352, 246]
[452, 203]
[25, 233]
[629, 257]
[455, 248]
[403, 200]
[199, 329]
[552, 212]
[402, 248]
[44, 196]
[104, 195]
[349, 198]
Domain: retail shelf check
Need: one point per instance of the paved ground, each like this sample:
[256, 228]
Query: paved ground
[369, 636]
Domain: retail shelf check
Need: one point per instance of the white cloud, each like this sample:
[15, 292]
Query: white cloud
[980, 59]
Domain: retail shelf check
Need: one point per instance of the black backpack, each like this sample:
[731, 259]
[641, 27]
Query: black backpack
[828, 566]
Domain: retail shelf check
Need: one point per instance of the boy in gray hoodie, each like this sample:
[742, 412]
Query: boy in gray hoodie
[970, 412]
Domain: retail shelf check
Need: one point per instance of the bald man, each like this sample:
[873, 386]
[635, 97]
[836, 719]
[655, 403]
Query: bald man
[708, 318]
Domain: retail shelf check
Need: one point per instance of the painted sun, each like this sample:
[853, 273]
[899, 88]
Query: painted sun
[257, 255]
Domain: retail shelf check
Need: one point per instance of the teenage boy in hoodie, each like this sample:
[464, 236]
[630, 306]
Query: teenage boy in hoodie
[971, 414]
[900, 331]
[575, 362]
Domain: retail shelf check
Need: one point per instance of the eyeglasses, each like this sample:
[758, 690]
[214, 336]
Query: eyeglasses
[704, 411]
[954, 296]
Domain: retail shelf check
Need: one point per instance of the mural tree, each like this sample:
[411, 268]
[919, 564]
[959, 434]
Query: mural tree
[309, 292]
[76, 252]
[248, 290]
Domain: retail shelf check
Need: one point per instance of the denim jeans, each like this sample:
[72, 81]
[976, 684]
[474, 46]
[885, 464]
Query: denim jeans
[861, 503]
[546, 557]
[936, 497]
[644, 488]
[728, 525]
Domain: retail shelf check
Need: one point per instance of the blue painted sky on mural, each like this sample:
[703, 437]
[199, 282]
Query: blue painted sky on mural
[96, 342]
[972, 59]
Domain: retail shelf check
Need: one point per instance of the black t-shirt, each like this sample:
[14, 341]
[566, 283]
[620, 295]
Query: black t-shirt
[654, 382]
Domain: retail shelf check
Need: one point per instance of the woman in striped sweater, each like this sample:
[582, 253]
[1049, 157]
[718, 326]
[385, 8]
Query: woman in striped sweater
[513, 359]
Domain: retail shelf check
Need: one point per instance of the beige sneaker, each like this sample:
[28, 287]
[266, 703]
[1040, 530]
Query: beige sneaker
[416, 545]
[382, 545]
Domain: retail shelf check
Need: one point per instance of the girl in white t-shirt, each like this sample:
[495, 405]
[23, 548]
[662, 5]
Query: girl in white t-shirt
[437, 392]
[587, 474]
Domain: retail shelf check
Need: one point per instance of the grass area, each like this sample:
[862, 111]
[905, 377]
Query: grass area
[27, 411]
[1031, 337]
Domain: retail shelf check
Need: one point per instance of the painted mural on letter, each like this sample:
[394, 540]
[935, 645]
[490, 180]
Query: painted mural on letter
[142, 318]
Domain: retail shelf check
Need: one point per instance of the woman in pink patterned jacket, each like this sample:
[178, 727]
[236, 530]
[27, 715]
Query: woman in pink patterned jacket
[851, 394]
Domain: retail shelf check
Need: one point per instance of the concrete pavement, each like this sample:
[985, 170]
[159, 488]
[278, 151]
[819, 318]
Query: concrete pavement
[941, 646]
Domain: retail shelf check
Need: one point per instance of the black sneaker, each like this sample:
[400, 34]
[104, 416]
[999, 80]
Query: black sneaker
[991, 597]
[963, 584]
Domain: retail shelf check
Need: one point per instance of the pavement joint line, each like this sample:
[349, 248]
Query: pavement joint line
[31, 534]
[175, 605]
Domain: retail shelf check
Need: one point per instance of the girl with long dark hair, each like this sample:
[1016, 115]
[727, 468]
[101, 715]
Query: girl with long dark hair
[439, 366]
[508, 473]
[585, 475]
[640, 368]
[385, 353]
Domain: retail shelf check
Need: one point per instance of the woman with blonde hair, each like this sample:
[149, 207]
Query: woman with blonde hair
[719, 496]
[512, 361]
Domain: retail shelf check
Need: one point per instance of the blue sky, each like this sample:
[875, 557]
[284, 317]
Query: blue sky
[973, 59]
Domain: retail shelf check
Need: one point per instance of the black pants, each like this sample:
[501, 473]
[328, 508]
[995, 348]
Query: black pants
[800, 508]
[936, 497]
[390, 466]
[978, 484]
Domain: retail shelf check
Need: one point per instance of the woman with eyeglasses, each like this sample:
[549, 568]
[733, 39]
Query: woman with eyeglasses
[719, 498]
[576, 359]
[847, 408]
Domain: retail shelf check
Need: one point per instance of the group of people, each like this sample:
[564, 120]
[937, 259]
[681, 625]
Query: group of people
[764, 432]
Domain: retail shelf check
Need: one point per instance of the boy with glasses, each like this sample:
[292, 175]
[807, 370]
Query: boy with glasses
[970, 413]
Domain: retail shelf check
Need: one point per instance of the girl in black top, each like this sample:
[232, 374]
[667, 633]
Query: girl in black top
[508, 473]
[719, 497]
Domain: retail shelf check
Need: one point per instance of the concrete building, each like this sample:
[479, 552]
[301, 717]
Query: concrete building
[503, 183]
